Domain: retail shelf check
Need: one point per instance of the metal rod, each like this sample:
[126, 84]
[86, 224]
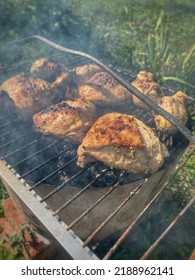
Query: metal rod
[92, 206]
[7, 124]
[16, 65]
[40, 165]
[3, 117]
[176, 122]
[100, 227]
[79, 193]
[131, 226]
[156, 243]
[67, 239]
[128, 230]
[61, 186]
[35, 154]
[7, 133]
[53, 173]
[15, 140]
[20, 149]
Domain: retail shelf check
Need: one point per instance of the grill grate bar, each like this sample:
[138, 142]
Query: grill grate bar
[15, 140]
[128, 230]
[9, 123]
[17, 65]
[100, 227]
[35, 154]
[79, 193]
[93, 206]
[42, 164]
[3, 117]
[181, 213]
[13, 66]
[7, 133]
[112, 184]
[53, 173]
[156, 243]
[19, 150]
[61, 186]
[153, 106]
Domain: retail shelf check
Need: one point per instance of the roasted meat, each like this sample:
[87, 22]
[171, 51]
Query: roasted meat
[63, 83]
[103, 89]
[175, 105]
[144, 83]
[68, 119]
[30, 94]
[47, 69]
[85, 72]
[121, 141]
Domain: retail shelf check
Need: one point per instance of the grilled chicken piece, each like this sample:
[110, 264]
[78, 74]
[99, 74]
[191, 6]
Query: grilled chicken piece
[68, 119]
[47, 69]
[30, 94]
[63, 83]
[175, 105]
[144, 83]
[102, 89]
[85, 72]
[121, 141]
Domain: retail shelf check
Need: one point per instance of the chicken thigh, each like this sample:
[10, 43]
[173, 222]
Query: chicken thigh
[121, 141]
[85, 72]
[47, 69]
[102, 89]
[175, 105]
[30, 94]
[144, 83]
[68, 119]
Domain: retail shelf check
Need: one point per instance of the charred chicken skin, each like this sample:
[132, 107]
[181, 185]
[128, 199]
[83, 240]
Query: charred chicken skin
[144, 83]
[175, 105]
[102, 89]
[68, 119]
[30, 94]
[121, 141]
[47, 69]
[85, 72]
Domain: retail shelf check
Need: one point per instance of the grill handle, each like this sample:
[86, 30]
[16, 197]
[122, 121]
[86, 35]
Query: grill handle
[177, 123]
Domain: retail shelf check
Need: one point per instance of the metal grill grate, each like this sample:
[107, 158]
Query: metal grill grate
[84, 204]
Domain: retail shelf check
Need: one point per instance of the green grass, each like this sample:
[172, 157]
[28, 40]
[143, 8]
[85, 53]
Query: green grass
[157, 36]
[3, 195]
[183, 185]
[4, 253]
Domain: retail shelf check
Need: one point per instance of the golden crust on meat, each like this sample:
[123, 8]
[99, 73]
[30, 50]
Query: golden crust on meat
[144, 83]
[125, 133]
[83, 73]
[175, 105]
[103, 89]
[68, 119]
[29, 94]
[45, 68]
[123, 142]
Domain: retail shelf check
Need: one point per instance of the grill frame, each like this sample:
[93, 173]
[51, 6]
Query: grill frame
[33, 205]
[29, 204]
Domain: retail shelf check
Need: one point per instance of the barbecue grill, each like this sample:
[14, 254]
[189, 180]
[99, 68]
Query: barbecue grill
[78, 207]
